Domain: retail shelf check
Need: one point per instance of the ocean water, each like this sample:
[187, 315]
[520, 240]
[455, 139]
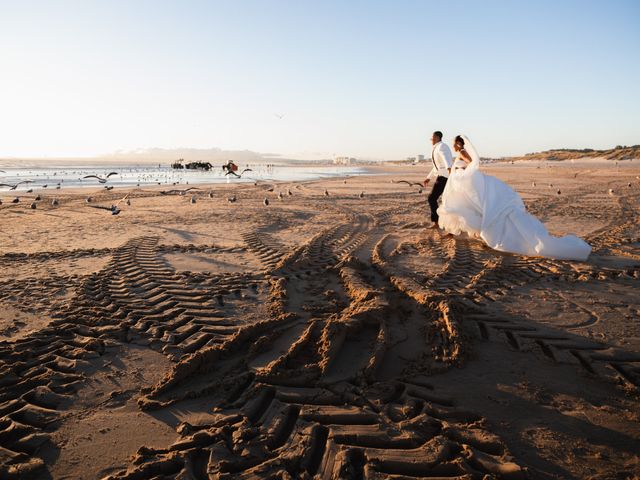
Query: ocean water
[71, 176]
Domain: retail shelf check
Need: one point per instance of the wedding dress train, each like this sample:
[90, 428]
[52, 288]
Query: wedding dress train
[484, 206]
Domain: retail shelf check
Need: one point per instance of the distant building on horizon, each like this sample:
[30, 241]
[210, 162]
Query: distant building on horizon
[344, 160]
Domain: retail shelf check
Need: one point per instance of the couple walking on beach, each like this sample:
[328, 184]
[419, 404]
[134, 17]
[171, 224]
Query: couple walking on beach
[485, 207]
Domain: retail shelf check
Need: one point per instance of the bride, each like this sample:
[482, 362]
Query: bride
[484, 206]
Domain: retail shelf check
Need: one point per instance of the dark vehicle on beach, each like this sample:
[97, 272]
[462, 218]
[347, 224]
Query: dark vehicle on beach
[178, 165]
[199, 166]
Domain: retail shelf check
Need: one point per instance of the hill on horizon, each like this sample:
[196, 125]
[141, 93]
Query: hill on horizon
[620, 152]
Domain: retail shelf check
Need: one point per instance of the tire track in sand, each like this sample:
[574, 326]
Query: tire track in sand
[321, 408]
[478, 277]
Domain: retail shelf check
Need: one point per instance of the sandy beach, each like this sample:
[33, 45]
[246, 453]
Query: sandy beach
[328, 334]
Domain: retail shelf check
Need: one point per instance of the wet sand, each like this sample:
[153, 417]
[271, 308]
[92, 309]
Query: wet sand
[329, 334]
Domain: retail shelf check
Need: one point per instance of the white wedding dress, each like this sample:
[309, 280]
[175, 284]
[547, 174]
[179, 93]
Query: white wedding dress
[484, 206]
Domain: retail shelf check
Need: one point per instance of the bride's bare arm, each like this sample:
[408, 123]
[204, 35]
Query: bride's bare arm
[465, 156]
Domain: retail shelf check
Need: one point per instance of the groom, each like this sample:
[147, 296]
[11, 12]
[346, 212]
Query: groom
[441, 159]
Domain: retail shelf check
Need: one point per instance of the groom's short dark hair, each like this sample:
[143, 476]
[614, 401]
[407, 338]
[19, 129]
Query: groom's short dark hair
[438, 134]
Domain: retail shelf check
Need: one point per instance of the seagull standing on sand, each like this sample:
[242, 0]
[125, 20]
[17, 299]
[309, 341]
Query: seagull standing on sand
[113, 209]
[179, 192]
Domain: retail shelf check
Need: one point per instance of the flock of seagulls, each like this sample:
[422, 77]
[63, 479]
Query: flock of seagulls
[131, 176]
[114, 209]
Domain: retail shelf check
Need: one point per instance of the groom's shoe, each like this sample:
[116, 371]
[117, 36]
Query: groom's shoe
[435, 225]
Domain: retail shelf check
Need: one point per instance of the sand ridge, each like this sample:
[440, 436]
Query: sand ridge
[327, 335]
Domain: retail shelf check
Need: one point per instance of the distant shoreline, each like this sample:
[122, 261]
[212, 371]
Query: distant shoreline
[165, 158]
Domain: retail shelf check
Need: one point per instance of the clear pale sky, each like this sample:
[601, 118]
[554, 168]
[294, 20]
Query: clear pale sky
[368, 79]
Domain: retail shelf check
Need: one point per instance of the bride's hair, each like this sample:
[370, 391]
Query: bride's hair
[459, 140]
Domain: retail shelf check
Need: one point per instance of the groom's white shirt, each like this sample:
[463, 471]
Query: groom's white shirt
[441, 161]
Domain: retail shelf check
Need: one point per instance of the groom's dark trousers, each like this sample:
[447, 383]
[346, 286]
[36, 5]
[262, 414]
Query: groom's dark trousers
[436, 192]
